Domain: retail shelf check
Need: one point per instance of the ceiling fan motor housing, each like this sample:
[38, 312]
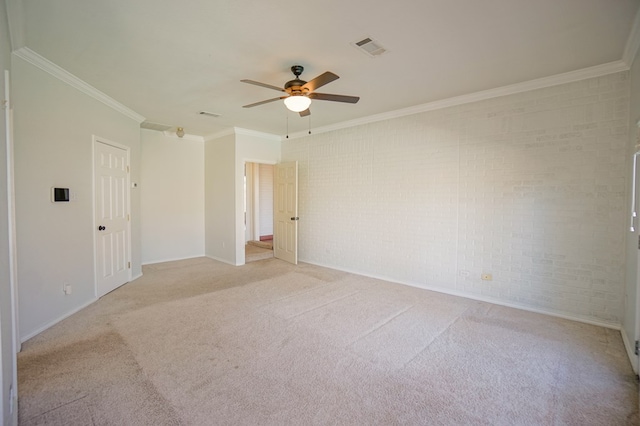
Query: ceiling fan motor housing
[294, 85]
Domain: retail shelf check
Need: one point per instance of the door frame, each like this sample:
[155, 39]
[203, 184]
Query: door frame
[630, 324]
[636, 234]
[252, 200]
[96, 140]
[254, 209]
[241, 242]
[16, 343]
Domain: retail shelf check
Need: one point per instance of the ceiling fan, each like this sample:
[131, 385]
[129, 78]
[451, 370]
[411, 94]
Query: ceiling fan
[299, 93]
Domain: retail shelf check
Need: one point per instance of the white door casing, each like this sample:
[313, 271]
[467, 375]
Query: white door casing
[16, 345]
[631, 331]
[285, 235]
[634, 305]
[111, 227]
[251, 202]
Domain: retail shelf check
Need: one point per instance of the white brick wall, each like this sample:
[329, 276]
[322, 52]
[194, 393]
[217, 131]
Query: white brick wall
[527, 187]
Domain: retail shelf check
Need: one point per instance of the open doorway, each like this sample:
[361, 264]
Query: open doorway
[258, 211]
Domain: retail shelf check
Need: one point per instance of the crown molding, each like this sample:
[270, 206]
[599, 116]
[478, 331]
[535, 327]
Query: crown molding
[540, 83]
[242, 131]
[172, 134]
[262, 135]
[186, 136]
[44, 64]
[633, 42]
[220, 134]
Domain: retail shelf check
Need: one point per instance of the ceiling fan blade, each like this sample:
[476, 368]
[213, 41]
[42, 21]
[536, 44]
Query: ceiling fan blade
[264, 102]
[334, 98]
[320, 81]
[305, 112]
[268, 86]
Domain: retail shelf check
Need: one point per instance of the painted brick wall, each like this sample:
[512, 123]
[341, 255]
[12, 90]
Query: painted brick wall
[528, 187]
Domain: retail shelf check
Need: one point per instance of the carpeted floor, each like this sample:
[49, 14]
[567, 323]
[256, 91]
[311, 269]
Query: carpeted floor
[198, 342]
[253, 252]
[266, 244]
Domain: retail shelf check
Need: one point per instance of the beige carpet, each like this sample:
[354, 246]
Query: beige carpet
[199, 342]
[267, 244]
[253, 252]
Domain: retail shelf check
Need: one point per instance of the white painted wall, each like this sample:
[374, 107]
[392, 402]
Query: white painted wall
[225, 158]
[250, 147]
[220, 199]
[171, 197]
[7, 347]
[266, 199]
[54, 125]
[529, 187]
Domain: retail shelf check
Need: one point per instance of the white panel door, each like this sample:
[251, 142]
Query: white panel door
[631, 321]
[112, 217]
[285, 232]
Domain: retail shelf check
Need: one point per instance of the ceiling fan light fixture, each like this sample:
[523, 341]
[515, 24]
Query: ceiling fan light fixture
[297, 103]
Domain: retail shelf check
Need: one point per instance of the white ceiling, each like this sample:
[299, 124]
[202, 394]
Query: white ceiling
[168, 60]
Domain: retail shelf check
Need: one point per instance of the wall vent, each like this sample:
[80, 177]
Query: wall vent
[210, 114]
[370, 47]
[155, 126]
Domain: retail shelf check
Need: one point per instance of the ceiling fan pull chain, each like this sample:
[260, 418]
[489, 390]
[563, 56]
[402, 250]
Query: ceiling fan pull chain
[287, 124]
[309, 124]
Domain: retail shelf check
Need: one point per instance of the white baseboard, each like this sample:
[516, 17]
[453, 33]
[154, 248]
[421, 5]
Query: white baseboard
[67, 315]
[222, 260]
[614, 326]
[631, 351]
[55, 321]
[153, 262]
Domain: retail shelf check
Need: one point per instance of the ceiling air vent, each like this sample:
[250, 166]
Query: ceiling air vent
[210, 114]
[369, 47]
[154, 126]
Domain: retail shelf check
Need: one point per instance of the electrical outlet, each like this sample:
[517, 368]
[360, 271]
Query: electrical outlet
[486, 277]
[66, 288]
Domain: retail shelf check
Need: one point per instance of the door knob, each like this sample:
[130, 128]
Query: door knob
[295, 218]
[101, 228]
